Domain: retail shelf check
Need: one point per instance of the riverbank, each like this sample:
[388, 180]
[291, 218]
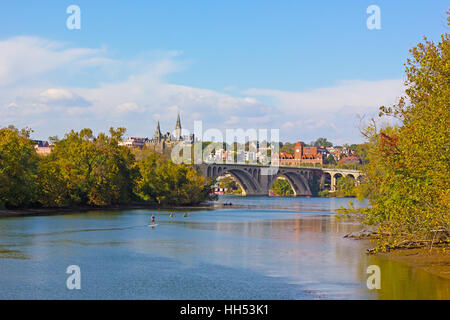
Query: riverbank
[434, 261]
[7, 213]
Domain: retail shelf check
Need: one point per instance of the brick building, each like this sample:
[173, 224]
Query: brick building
[302, 155]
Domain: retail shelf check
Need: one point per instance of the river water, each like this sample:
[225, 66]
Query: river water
[259, 248]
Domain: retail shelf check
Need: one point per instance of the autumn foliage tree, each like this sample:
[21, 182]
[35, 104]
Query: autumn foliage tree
[407, 176]
[18, 168]
[282, 188]
[163, 182]
[87, 170]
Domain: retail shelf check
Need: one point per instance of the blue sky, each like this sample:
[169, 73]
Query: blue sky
[307, 68]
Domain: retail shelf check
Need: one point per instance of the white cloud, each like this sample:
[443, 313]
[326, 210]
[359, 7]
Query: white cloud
[348, 97]
[330, 111]
[56, 94]
[24, 58]
[128, 107]
[135, 94]
[62, 98]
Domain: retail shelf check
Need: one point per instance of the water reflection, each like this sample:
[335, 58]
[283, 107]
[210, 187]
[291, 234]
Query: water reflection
[399, 281]
[291, 248]
[329, 205]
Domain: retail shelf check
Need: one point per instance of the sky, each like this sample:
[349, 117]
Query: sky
[308, 68]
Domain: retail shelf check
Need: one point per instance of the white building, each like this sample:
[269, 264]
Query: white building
[134, 142]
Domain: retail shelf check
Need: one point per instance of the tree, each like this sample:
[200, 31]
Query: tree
[288, 148]
[230, 185]
[163, 182]
[282, 188]
[322, 142]
[345, 187]
[87, 170]
[361, 151]
[18, 168]
[407, 177]
[330, 159]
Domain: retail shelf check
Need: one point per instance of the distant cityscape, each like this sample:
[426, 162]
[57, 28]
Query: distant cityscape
[253, 152]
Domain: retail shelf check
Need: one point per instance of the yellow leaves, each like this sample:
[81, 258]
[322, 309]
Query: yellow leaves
[409, 189]
[164, 182]
[18, 165]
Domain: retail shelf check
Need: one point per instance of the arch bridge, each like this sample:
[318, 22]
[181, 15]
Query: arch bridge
[258, 179]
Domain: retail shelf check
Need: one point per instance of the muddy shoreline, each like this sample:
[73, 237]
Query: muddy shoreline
[435, 261]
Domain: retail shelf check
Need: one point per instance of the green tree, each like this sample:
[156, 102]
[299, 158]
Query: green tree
[163, 182]
[322, 142]
[288, 148]
[330, 159]
[230, 185]
[87, 170]
[345, 187]
[407, 176]
[282, 188]
[18, 168]
[361, 151]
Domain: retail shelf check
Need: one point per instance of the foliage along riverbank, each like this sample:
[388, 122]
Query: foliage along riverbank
[84, 170]
[407, 175]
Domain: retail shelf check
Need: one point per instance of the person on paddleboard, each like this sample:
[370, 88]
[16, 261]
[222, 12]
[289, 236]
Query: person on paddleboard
[153, 219]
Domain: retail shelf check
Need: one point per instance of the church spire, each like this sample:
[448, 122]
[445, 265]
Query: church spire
[178, 128]
[158, 135]
[178, 125]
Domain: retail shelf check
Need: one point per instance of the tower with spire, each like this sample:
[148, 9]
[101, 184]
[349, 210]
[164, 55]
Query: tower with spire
[158, 136]
[177, 133]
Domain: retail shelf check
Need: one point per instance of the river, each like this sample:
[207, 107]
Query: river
[259, 248]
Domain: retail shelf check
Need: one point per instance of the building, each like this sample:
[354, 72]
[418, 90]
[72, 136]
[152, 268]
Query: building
[177, 133]
[335, 152]
[134, 142]
[250, 156]
[43, 148]
[350, 159]
[302, 155]
[162, 142]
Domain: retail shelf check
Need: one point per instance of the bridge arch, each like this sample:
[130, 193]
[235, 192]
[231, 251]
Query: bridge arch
[243, 177]
[297, 181]
[253, 182]
[291, 182]
[326, 181]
